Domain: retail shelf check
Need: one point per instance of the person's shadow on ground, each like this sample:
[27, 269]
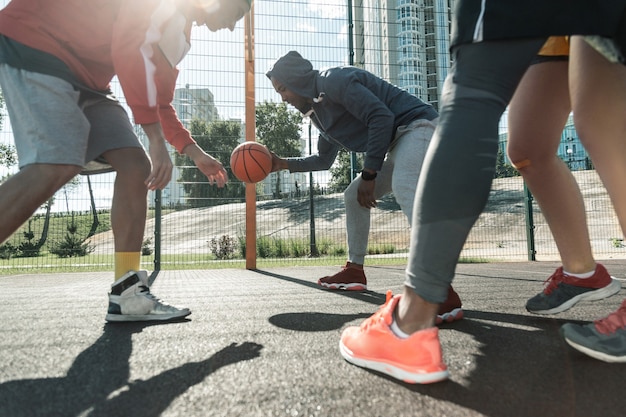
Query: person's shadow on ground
[522, 368]
[97, 383]
[525, 368]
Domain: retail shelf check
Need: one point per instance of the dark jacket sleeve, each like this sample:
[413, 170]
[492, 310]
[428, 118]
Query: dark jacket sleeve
[323, 160]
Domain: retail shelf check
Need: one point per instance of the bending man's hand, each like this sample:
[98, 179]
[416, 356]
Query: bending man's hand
[209, 166]
[278, 163]
[161, 172]
[365, 194]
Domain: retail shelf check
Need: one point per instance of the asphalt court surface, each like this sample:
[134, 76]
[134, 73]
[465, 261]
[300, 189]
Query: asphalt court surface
[265, 343]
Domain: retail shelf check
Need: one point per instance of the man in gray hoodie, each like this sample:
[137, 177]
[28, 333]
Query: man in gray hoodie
[360, 112]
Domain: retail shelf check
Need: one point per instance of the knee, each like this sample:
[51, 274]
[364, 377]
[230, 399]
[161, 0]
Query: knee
[521, 165]
[520, 157]
[141, 168]
[404, 193]
[132, 167]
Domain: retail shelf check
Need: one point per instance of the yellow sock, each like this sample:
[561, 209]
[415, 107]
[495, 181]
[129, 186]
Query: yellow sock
[126, 261]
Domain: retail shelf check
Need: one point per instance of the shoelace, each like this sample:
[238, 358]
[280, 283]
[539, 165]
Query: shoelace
[613, 322]
[553, 281]
[145, 290]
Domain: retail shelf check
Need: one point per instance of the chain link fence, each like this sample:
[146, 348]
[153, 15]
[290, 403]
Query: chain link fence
[300, 217]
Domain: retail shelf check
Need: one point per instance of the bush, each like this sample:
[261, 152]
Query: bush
[72, 245]
[381, 249]
[145, 247]
[242, 246]
[27, 250]
[7, 251]
[224, 247]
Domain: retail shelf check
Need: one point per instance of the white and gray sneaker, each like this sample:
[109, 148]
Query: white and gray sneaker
[130, 300]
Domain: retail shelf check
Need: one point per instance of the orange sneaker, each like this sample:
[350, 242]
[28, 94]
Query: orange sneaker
[415, 360]
[450, 310]
[350, 279]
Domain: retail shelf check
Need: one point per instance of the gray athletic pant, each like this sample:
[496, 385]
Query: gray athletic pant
[460, 162]
[399, 173]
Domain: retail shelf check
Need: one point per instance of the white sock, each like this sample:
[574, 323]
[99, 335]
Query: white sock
[581, 276]
[396, 329]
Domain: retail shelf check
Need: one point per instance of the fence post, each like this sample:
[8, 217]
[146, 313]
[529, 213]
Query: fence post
[312, 244]
[530, 224]
[157, 236]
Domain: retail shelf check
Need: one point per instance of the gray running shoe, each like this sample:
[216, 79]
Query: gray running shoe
[563, 291]
[603, 339]
[130, 300]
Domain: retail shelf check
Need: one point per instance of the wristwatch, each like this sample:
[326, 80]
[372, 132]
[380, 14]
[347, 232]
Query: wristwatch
[368, 176]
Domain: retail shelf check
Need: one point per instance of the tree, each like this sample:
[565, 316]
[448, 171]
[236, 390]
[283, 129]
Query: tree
[340, 172]
[69, 188]
[94, 213]
[217, 139]
[279, 129]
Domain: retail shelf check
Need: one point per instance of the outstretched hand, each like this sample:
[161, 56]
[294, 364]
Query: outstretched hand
[161, 172]
[213, 169]
[209, 166]
[278, 163]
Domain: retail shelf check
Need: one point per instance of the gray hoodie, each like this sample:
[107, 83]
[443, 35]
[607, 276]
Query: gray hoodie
[352, 108]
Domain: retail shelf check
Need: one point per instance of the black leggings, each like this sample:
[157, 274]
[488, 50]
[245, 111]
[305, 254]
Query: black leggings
[456, 177]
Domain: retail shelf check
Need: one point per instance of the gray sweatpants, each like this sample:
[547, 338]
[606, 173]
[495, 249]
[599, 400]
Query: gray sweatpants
[460, 162]
[399, 174]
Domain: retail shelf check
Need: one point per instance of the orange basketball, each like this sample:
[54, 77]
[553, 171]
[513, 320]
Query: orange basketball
[251, 162]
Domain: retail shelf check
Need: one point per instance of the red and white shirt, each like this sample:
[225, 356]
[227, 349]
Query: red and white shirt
[139, 41]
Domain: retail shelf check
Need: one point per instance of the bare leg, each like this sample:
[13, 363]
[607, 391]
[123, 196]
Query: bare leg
[23, 193]
[128, 210]
[599, 108]
[130, 298]
[537, 114]
[414, 313]
[599, 101]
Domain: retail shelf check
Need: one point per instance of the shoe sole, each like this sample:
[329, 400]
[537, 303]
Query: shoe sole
[595, 354]
[119, 318]
[394, 371]
[449, 317]
[599, 294]
[345, 287]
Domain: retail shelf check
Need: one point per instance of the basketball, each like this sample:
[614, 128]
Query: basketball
[251, 162]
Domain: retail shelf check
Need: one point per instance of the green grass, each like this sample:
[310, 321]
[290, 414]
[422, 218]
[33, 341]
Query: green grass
[227, 253]
[53, 265]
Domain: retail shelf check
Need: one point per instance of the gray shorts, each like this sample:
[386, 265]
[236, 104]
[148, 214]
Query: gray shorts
[53, 123]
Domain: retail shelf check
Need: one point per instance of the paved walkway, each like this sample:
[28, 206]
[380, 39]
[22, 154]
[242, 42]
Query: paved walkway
[265, 343]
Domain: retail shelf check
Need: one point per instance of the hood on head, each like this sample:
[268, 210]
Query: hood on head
[295, 73]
